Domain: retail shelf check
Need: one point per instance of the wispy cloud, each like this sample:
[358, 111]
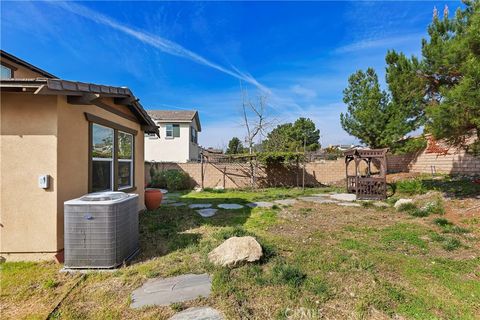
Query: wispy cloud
[304, 92]
[384, 43]
[158, 42]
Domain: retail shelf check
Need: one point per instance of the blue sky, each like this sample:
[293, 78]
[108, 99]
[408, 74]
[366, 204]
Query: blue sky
[193, 55]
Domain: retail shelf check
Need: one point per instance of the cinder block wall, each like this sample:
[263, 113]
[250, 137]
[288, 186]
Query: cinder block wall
[238, 175]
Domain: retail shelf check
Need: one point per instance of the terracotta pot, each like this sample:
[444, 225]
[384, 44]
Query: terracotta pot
[153, 198]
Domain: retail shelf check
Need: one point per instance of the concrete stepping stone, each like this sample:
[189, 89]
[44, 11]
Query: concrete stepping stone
[198, 313]
[165, 291]
[325, 195]
[230, 206]
[168, 201]
[261, 204]
[343, 196]
[321, 200]
[164, 191]
[286, 202]
[348, 204]
[207, 213]
[200, 205]
[177, 204]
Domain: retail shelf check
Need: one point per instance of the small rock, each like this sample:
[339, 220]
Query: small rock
[200, 205]
[219, 188]
[230, 206]
[207, 213]
[236, 250]
[401, 202]
[198, 313]
[198, 189]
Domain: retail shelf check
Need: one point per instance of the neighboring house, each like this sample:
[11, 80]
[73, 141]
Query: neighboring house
[178, 141]
[61, 140]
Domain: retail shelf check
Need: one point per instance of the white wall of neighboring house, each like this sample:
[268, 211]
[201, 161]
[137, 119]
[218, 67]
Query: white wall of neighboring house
[172, 149]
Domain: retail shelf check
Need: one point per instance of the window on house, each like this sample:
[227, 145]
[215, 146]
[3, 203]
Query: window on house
[194, 135]
[7, 73]
[112, 158]
[102, 158]
[172, 130]
[125, 160]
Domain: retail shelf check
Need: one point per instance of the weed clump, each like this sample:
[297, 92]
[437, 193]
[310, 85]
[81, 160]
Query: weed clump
[411, 187]
[283, 273]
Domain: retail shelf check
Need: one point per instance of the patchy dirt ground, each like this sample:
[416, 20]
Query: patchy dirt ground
[322, 261]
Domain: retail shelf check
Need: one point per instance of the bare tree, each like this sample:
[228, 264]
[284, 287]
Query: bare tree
[254, 117]
[255, 122]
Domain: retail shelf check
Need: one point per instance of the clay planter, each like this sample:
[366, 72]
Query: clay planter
[153, 198]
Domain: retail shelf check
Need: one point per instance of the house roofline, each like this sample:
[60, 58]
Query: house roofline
[85, 93]
[23, 63]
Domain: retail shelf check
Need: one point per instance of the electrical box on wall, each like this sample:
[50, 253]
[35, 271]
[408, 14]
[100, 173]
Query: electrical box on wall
[43, 181]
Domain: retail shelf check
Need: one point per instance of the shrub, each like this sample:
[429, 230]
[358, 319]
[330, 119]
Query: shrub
[442, 222]
[435, 207]
[412, 186]
[407, 207]
[449, 227]
[171, 180]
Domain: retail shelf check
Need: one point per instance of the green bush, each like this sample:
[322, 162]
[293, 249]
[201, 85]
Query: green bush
[407, 207]
[435, 207]
[171, 180]
[442, 222]
[412, 186]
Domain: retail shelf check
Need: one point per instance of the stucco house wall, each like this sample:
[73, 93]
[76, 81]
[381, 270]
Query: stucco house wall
[172, 149]
[48, 133]
[28, 148]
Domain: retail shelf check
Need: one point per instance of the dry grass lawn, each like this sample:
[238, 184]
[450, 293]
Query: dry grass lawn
[321, 261]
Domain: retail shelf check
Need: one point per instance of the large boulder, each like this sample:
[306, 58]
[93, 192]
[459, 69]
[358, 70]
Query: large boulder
[235, 251]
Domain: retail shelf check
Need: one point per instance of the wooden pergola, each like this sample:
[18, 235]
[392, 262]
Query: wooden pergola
[370, 185]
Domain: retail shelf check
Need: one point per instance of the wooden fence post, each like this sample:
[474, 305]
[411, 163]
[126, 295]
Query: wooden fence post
[224, 174]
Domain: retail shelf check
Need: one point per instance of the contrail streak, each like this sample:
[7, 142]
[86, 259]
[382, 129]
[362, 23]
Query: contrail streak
[160, 43]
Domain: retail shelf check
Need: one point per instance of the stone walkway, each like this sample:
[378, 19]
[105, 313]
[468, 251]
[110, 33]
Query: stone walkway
[230, 206]
[198, 313]
[261, 204]
[207, 213]
[163, 292]
[200, 205]
[286, 202]
[177, 204]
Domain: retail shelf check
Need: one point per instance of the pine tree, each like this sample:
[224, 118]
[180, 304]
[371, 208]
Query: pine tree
[451, 68]
[235, 146]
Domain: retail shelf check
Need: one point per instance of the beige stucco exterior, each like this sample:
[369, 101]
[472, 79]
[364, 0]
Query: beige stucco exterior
[43, 134]
[167, 149]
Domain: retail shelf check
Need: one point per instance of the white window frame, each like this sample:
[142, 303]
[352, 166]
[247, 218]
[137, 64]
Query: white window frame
[169, 128]
[112, 172]
[127, 160]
